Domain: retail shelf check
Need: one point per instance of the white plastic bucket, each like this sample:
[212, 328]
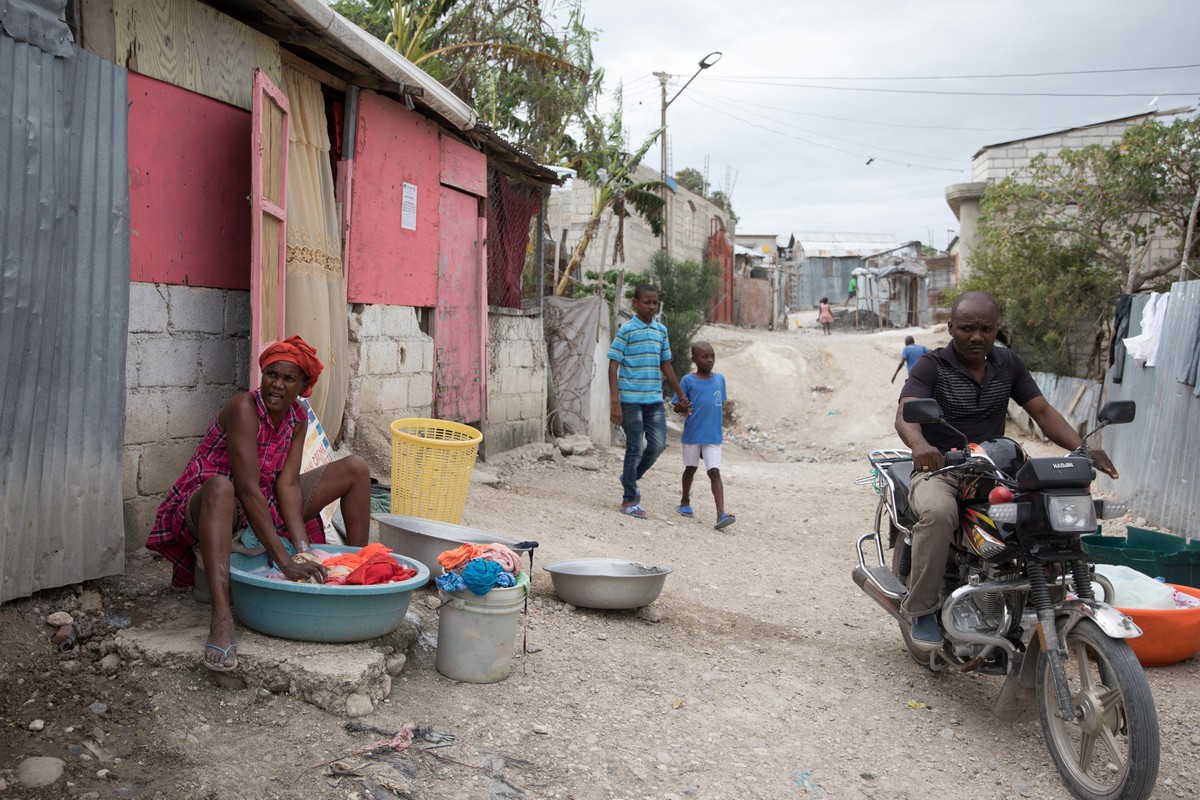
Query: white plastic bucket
[476, 634]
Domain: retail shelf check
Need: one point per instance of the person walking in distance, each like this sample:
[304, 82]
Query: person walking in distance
[825, 315]
[852, 289]
[702, 435]
[638, 360]
[909, 355]
[972, 382]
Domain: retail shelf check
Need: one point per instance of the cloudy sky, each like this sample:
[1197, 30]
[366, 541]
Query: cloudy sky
[807, 93]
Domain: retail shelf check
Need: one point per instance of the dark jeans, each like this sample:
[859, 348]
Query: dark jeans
[645, 426]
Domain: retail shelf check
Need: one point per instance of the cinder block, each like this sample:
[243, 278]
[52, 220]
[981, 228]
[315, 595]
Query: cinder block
[394, 392]
[139, 514]
[218, 361]
[237, 313]
[191, 413]
[147, 308]
[196, 309]
[370, 322]
[162, 464]
[129, 472]
[420, 394]
[145, 417]
[365, 393]
[382, 357]
[169, 362]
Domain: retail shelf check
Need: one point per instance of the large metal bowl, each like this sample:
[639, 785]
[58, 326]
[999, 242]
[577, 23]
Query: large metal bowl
[425, 539]
[607, 582]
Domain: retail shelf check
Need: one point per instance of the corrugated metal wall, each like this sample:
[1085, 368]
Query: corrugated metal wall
[1156, 454]
[64, 309]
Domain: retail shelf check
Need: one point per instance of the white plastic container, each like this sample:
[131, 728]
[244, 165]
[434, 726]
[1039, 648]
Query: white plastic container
[1133, 589]
[476, 634]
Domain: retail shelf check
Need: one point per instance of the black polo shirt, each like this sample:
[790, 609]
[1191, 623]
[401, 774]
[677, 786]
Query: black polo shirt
[976, 409]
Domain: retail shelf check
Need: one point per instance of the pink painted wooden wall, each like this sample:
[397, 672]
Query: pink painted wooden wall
[388, 264]
[460, 319]
[189, 179]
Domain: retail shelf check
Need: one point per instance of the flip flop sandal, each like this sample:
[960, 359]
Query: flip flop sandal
[221, 666]
[685, 511]
[724, 522]
[635, 511]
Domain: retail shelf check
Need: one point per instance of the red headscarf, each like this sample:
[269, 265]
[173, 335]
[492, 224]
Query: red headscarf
[298, 352]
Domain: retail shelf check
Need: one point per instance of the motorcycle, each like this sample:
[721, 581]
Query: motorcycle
[1019, 600]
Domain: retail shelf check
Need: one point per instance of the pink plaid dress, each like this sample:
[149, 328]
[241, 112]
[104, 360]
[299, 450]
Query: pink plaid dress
[171, 536]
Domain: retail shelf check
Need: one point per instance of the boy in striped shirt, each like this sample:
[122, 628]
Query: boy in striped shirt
[638, 359]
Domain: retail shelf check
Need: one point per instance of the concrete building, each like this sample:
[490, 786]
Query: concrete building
[995, 162]
[693, 217]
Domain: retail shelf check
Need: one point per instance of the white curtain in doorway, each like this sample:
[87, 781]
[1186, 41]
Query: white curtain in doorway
[316, 295]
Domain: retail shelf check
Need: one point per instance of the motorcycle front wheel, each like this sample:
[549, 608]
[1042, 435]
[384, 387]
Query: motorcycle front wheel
[1110, 750]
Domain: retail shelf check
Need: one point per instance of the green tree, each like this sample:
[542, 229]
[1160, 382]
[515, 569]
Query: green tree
[609, 170]
[718, 199]
[691, 179]
[1059, 241]
[525, 65]
[1114, 201]
[374, 21]
[685, 291]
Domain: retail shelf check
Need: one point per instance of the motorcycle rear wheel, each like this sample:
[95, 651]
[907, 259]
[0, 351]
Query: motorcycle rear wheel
[1111, 750]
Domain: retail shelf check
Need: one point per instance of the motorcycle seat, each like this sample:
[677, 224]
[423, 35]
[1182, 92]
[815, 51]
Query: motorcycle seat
[900, 474]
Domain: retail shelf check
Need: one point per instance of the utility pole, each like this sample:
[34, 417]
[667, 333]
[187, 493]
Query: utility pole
[665, 239]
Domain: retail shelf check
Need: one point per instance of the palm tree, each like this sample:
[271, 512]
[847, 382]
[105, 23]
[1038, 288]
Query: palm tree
[505, 58]
[610, 172]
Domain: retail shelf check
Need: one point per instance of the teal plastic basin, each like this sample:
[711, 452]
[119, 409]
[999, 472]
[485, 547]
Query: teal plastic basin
[315, 613]
[1159, 555]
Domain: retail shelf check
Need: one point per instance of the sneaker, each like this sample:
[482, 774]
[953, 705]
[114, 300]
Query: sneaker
[925, 632]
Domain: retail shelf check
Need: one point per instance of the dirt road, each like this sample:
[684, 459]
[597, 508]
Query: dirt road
[761, 672]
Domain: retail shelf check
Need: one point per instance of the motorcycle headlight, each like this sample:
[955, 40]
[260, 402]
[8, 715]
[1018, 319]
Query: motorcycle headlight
[1071, 513]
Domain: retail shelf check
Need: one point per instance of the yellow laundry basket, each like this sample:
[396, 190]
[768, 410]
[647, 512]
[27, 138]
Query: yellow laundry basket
[432, 461]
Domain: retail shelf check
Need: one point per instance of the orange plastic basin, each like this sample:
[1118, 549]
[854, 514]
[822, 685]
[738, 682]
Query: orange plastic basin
[1168, 635]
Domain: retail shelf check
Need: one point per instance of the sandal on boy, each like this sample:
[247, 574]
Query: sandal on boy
[635, 510]
[684, 511]
[724, 522]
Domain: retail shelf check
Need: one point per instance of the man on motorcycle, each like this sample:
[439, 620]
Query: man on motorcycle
[972, 382]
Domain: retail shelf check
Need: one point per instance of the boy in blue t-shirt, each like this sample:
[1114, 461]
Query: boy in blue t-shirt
[705, 391]
[911, 353]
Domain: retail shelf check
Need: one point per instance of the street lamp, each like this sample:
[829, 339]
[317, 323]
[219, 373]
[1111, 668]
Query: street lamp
[704, 64]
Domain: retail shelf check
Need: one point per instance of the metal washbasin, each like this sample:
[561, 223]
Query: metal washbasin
[425, 539]
[608, 583]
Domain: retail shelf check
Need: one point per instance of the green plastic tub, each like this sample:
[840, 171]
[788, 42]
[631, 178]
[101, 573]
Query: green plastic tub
[314, 613]
[1159, 555]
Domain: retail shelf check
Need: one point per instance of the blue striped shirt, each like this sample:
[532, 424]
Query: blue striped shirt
[640, 348]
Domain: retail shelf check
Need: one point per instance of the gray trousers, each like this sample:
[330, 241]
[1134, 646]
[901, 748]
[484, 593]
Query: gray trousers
[935, 503]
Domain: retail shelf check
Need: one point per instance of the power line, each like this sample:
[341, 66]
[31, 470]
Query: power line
[965, 77]
[819, 144]
[725, 99]
[858, 144]
[968, 94]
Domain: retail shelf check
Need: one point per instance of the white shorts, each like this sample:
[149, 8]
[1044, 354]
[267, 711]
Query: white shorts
[710, 452]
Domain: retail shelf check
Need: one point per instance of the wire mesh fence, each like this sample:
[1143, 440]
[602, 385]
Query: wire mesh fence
[514, 207]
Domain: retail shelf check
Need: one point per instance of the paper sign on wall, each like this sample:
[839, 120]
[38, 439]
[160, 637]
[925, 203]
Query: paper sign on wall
[408, 208]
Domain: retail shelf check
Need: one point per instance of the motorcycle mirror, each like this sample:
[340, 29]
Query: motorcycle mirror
[922, 411]
[1116, 412]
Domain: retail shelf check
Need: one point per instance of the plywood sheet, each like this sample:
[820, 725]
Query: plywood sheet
[194, 46]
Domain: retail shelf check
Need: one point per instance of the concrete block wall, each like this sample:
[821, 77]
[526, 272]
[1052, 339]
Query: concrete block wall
[571, 208]
[391, 377]
[1000, 162]
[188, 353]
[516, 381]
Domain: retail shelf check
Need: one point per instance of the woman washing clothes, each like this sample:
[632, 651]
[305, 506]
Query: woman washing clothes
[247, 471]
